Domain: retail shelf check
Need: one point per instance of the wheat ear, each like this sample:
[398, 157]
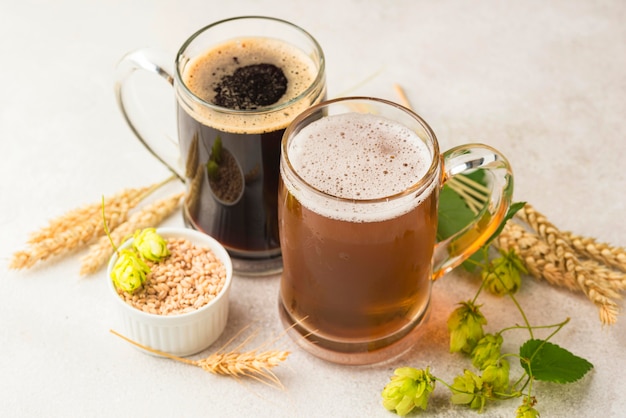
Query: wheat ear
[64, 235]
[78, 227]
[563, 270]
[253, 364]
[149, 216]
[599, 251]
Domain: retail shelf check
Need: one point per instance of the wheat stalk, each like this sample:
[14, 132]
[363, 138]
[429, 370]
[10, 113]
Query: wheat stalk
[149, 216]
[254, 364]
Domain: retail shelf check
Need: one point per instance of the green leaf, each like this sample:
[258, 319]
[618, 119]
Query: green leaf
[550, 363]
[454, 214]
[513, 209]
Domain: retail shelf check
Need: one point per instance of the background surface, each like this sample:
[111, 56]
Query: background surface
[544, 82]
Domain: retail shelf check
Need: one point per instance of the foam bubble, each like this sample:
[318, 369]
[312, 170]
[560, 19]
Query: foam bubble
[358, 156]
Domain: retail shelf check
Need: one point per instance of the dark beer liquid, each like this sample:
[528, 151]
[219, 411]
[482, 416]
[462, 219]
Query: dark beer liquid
[245, 221]
[232, 159]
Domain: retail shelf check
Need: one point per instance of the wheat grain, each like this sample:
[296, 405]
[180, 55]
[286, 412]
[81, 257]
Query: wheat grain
[150, 216]
[188, 279]
[602, 273]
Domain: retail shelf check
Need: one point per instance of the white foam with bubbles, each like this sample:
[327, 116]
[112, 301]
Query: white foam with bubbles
[358, 156]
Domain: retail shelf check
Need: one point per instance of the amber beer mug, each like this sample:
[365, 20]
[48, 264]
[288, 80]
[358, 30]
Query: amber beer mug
[238, 83]
[358, 198]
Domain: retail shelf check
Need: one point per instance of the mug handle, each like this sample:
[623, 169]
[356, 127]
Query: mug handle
[457, 248]
[163, 147]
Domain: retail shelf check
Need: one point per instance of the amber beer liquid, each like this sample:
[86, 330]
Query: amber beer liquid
[231, 159]
[356, 266]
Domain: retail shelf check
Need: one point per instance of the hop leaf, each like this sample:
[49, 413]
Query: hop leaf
[150, 245]
[548, 362]
[487, 351]
[129, 272]
[408, 388]
[466, 327]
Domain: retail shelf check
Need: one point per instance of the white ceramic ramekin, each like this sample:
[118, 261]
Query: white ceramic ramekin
[183, 334]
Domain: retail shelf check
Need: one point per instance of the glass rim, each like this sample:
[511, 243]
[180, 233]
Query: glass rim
[424, 181]
[266, 109]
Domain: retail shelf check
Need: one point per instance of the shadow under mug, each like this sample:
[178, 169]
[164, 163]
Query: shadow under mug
[230, 151]
[358, 206]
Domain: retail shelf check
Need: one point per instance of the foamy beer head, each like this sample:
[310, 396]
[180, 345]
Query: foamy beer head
[256, 81]
[360, 167]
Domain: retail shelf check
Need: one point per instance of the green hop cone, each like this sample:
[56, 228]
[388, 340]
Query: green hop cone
[466, 327]
[150, 245]
[503, 275]
[408, 388]
[467, 389]
[213, 170]
[526, 411]
[496, 374]
[129, 272]
[486, 351]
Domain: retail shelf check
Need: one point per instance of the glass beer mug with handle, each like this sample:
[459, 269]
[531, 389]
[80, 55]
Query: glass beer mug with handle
[358, 215]
[238, 83]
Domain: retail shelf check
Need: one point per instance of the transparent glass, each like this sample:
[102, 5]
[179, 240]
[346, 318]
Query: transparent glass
[228, 158]
[357, 272]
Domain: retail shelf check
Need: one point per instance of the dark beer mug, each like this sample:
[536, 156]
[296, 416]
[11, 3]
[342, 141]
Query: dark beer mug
[238, 83]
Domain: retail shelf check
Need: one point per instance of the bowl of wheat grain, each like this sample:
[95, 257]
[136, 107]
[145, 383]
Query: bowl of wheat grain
[182, 307]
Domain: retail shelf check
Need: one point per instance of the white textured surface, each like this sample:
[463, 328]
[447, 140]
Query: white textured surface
[542, 81]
